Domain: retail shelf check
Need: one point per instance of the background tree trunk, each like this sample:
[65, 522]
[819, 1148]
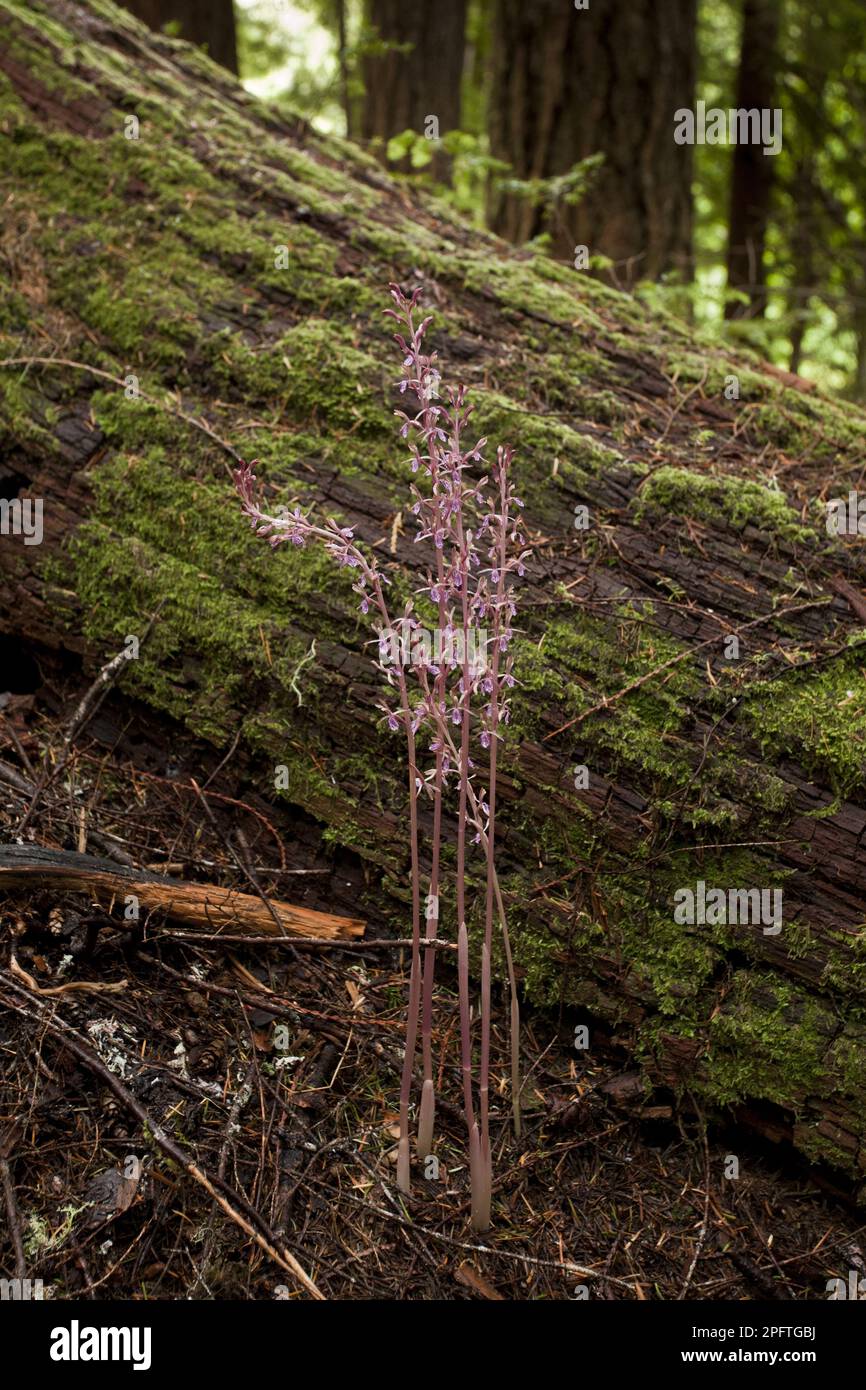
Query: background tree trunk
[572, 83]
[208, 23]
[420, 75]
[752, 176]
[858, 388]
[343, 61]
[152, 265]
[804, 246]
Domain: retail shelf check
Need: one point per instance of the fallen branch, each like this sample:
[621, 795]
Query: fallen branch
[197, 904]
[85, 985]
[225, 1196]
[13, 1215]
[312, 943]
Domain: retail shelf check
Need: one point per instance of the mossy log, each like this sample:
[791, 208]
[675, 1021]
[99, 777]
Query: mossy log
[232, 261]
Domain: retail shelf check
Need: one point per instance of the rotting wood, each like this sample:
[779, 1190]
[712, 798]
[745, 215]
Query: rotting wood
[197, 904]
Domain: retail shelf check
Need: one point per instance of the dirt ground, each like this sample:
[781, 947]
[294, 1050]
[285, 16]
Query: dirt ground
[272, 1071]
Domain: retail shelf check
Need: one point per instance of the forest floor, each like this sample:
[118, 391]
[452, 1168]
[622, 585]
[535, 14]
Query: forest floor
[608, 1192]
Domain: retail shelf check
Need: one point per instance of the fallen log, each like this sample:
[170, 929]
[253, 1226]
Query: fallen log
[691, 706]
[195, 904]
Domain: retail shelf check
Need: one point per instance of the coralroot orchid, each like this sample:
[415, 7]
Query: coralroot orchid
[460, 703]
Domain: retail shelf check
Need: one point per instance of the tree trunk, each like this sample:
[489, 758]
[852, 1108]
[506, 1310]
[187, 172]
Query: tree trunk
[752, 177]
[570, 83]
[690, 703]
[417, 80]
[858, 387]
[208, 23]
[343, 60]
[803, 251]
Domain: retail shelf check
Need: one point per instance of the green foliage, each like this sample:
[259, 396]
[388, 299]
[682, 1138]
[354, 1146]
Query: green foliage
[567, 188]
[816, 248]
[288, 52]
[815, 321]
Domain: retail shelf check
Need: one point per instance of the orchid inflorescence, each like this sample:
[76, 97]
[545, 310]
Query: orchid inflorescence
[460, 702]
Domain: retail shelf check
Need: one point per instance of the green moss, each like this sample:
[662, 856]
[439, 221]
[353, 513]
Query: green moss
[769, 1042]
[605, 407]
[206, 689]
[732, 502]
[845, 973]
[809, 426]
[23, 417]
[197, 522]
[516, 284]
[819, 717]
[553, 462]
[581, 659]
[555, 381]
[314, 373]
[770, 793]
[712, 371]
[127, 321]
[674, 963]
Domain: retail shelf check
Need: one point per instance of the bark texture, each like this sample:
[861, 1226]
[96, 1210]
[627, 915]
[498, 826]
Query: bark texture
[214, 910]
[752, 177]
[230, 265]
[419, 75]
[570, 83]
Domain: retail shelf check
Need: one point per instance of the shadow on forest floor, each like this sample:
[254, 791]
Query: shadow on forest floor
[607, 1191]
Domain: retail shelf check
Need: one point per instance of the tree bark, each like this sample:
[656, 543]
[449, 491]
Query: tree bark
[570, 83]
[343, 60]
[752, 177]
[208, 23]
[206, 906]
[858, 317]
[153, 332]
[419, 76]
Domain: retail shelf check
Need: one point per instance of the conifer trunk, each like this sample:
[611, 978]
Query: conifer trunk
[607, 80]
